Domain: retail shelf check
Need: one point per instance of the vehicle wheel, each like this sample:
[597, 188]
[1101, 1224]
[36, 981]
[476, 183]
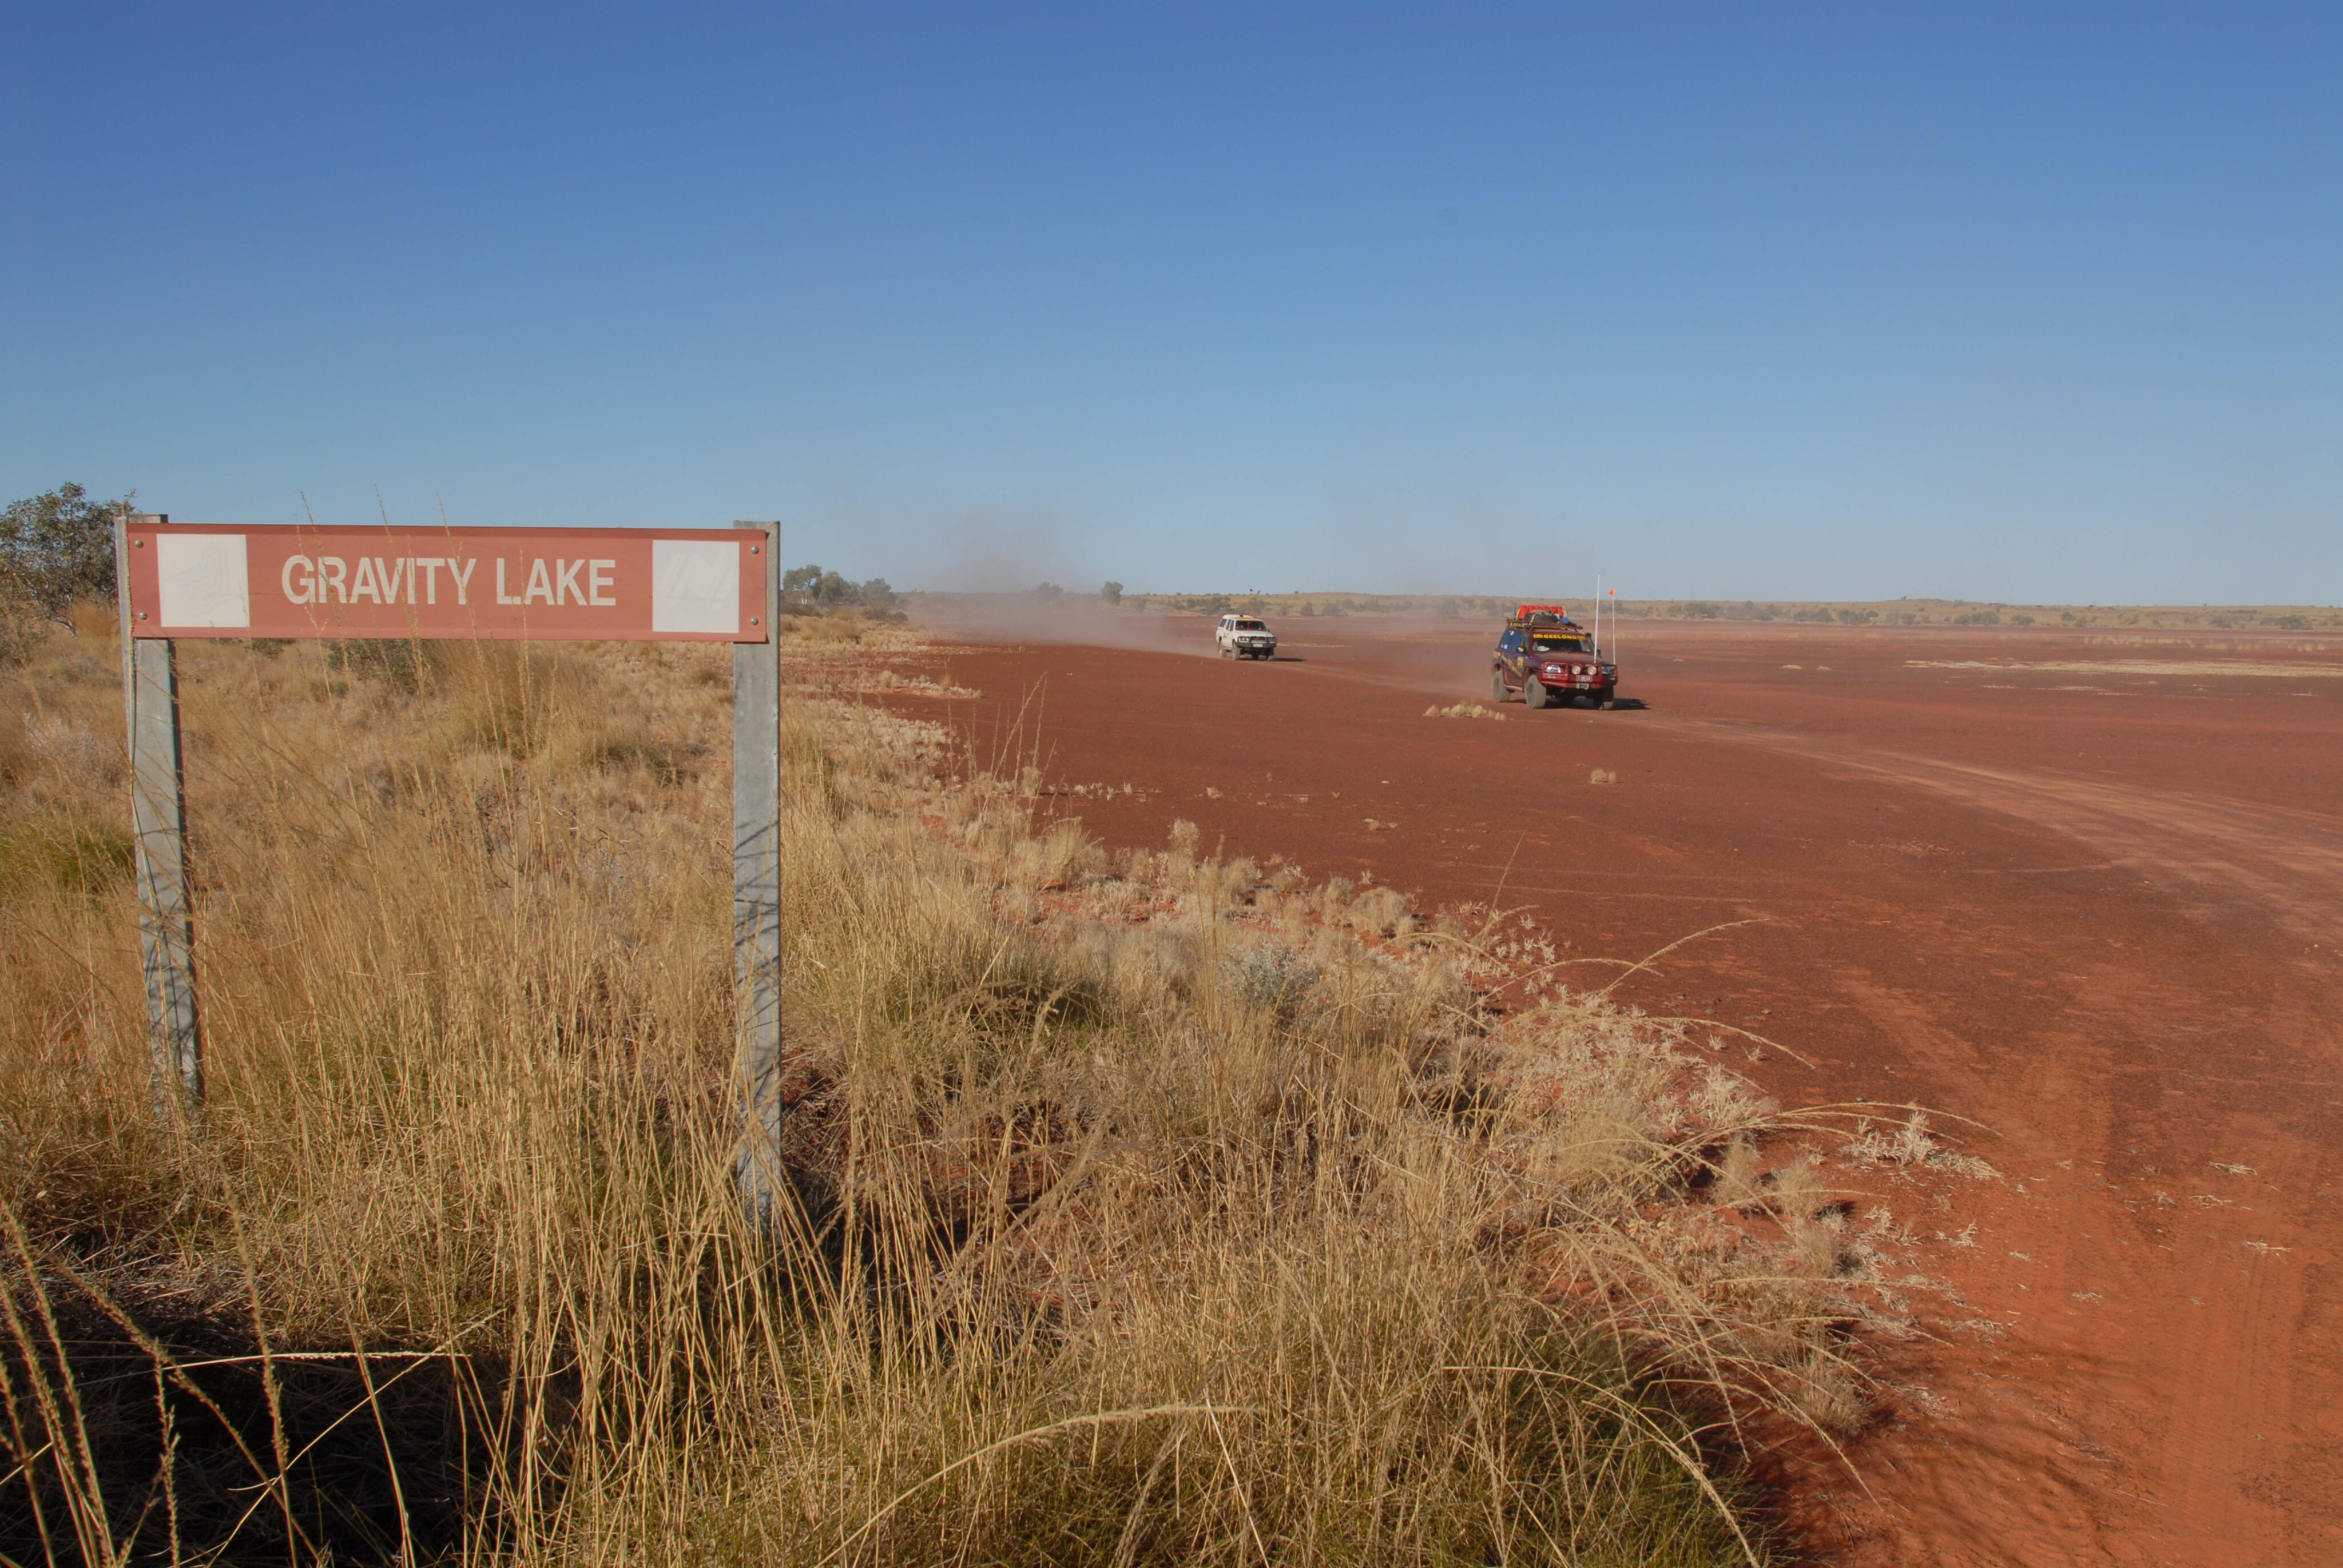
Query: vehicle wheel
[1497, 692]
[1606, 700]
[1534, 694]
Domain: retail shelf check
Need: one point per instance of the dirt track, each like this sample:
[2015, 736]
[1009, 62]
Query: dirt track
[2096, 905]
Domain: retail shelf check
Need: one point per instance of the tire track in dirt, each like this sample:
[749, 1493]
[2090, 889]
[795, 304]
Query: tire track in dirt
[2287, 862]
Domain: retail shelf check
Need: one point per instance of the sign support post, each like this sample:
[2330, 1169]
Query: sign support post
[158, 827]
[756, 888]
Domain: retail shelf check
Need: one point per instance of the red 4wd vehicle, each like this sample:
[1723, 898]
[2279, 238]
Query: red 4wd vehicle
[1549, 658]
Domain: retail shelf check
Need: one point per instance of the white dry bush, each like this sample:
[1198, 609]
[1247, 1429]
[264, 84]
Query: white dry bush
[1914, 1146]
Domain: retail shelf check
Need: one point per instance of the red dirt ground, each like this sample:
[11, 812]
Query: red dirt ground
[2098, 911]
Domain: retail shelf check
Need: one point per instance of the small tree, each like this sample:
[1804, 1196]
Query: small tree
[810, 589]
[821, 585]
[54, 549]
[1111, 592]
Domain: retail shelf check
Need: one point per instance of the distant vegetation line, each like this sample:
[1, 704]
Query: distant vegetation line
[1834, 612]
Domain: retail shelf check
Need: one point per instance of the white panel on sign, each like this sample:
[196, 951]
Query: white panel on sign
[203, 580]
[695, 586]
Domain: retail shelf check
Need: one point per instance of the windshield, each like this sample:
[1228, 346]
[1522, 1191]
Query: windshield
[1251, 625]
[1559, 642]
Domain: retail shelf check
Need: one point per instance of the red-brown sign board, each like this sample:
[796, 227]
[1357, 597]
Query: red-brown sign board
[634, 585]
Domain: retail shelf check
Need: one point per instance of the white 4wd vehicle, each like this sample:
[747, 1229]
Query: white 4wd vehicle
[1244, 636]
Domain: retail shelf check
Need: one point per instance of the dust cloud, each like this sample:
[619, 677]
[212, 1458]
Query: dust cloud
[1081, 620]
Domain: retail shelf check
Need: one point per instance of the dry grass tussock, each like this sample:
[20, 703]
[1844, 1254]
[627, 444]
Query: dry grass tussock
[1151, 1211]
[1463, 710]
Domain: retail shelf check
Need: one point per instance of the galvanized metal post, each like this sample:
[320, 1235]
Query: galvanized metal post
[757, 889]
[158, 827]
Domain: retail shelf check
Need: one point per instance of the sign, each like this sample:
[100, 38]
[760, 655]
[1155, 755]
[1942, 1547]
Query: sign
[634, 585]
[637, 585]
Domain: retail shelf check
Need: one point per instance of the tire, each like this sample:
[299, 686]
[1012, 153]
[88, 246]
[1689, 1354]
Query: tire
[1603, 700]
[1498, 691]
[1534, 694]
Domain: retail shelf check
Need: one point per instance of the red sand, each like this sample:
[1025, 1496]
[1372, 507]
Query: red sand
[2098, 911]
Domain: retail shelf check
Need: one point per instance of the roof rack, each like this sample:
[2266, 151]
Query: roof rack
[1543, 615]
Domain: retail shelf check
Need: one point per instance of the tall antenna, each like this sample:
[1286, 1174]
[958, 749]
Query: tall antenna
[1598, 615]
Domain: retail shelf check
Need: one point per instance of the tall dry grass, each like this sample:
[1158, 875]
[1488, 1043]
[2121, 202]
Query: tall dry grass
[1148, 1211]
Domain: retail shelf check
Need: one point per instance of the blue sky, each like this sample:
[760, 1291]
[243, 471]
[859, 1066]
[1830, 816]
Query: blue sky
[2035, 303]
